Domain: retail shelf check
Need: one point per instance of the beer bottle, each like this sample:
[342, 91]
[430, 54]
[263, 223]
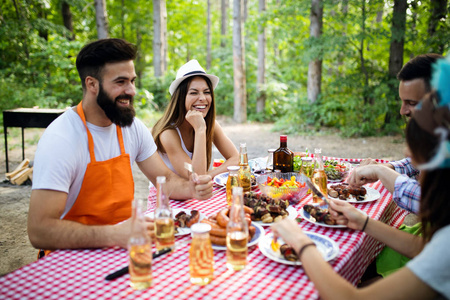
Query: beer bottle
[245, 175]
[139, 249]
[164, 224]
[237, 233]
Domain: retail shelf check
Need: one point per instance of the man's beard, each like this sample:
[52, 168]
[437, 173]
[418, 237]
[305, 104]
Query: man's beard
[122, 116]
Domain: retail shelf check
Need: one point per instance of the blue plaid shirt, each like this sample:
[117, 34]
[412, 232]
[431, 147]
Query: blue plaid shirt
[407, 189]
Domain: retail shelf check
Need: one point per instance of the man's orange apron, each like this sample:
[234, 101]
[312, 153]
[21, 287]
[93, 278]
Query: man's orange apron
[107, 190]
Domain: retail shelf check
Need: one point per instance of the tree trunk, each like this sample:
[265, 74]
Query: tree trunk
[245, 10]
[224, 22]
[67, 19]
[315, 66]
[122, 15]
[438, 13]
[159, 34]
[361, 53]
[414, 18]
[43, 33]
[396, 51]
[276, 49]
[240, 94]
[208, 36]
[164, 33]
[397, 37]
[101, 18]
[260, 91]
[139, 62]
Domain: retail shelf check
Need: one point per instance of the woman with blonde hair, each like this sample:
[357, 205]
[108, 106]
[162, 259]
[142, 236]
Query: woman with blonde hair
[188, 128]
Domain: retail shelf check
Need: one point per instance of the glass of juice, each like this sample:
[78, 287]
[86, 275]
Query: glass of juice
[201, 257]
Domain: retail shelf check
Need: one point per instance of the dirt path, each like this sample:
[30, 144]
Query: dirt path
[16, 250]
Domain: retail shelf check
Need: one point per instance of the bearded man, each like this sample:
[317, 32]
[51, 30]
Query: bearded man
[82, 183]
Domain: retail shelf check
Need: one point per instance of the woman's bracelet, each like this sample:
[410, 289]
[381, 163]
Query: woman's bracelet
[365, 224]
[300, 251]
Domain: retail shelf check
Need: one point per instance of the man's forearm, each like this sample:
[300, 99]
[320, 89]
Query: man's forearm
[65, 234]
[178, 188]
[387, 176]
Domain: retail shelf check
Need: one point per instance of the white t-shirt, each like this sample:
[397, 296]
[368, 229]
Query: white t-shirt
[62, 154]
[432, 265]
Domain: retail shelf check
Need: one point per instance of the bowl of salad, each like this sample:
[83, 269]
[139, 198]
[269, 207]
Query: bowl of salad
[336, 170]
[285, 186]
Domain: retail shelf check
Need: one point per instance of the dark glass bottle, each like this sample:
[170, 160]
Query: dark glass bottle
[283, 158]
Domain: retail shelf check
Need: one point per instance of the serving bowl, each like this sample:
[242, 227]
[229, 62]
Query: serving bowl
[292, 194]
[335, 172]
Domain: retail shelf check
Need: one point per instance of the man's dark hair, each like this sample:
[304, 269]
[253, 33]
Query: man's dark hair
[93, 56]
[419, 67]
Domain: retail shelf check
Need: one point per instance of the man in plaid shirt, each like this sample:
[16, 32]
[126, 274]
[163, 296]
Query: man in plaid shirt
[400, 177]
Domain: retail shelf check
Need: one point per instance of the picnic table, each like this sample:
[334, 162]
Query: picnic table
[72, 274]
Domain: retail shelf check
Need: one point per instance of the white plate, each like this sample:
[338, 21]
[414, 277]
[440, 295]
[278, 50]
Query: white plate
[292, 214]
[371, 195]
[175, 211]
[326, 246]
[258, 234]
[303, 214]
[221, 179]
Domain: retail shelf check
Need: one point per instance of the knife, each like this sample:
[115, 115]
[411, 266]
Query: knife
[315, 189]
[124, 270]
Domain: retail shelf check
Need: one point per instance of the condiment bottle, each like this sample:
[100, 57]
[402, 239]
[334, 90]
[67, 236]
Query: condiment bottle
[319, 176]
[269, 163]
[237, 233]
[139, 249]
[164, 224]
[283, 158]
[245, 175]
[232, 181]
[201, 257]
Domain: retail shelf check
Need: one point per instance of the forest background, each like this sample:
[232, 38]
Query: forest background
[303, 64]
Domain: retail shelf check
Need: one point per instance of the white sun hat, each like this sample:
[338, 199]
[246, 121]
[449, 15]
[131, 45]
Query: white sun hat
[189, 69]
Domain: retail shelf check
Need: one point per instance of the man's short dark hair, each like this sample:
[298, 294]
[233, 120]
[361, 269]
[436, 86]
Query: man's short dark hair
[93, 56]
[419, 67]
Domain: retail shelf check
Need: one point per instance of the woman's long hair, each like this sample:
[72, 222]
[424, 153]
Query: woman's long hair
[435, 185]
[175, 114]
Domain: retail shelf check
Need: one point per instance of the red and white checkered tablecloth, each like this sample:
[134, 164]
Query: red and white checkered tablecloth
[80, 274]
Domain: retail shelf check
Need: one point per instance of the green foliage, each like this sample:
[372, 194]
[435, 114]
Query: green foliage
[37, 59]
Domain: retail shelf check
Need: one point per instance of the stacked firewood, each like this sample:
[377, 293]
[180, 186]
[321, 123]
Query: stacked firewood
[20, 174]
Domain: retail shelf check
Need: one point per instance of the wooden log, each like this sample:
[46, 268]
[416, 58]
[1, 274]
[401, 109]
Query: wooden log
[23, 165]
[22, 176]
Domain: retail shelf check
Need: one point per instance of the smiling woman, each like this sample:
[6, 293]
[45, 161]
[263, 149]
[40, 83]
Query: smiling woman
[188, 128]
